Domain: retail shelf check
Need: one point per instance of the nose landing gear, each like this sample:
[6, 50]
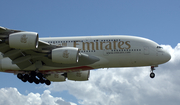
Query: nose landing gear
[152, 74]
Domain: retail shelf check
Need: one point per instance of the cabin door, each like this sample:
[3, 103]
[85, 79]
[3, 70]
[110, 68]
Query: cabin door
[146, 50]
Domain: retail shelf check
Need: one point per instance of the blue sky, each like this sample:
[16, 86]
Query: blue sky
[158, 20]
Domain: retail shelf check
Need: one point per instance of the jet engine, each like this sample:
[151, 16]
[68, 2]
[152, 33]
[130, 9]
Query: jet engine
[65, 55]
[78, 76]
[75, 76]
[23, 40]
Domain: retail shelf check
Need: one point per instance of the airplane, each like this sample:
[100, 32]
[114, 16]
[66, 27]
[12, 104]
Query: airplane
[42, 60]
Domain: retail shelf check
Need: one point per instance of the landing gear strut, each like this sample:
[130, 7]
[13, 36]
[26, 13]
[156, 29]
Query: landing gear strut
[32, 77]
[152, 74]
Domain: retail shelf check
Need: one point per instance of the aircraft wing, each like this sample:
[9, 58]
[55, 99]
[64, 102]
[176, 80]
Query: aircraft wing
[13, 45]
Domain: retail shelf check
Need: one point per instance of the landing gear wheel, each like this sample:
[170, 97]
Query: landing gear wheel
[26, 76]
[47, 82]
[30, 80]
[42, 80]
[152, 75]
[33, 73]
[39, 75]
[19, 75]
[36, 81]
[33, 76]
[24, 79]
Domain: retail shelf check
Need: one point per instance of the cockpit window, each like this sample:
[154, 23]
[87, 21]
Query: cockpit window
[159, 47]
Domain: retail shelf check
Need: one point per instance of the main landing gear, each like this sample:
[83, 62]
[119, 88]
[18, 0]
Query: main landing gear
[152, 74]
[32, 77]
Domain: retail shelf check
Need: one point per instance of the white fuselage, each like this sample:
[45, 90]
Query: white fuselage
[113, 51]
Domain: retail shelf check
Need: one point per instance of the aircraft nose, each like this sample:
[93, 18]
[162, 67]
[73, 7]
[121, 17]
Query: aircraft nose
[167, 56]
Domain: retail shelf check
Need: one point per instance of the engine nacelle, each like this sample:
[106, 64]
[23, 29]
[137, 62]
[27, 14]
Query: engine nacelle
[78, 76]
[56, 77]
[65, 55]
[23, 40]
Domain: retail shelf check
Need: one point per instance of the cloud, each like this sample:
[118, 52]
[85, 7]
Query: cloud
[11, 96]
[129, 86]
